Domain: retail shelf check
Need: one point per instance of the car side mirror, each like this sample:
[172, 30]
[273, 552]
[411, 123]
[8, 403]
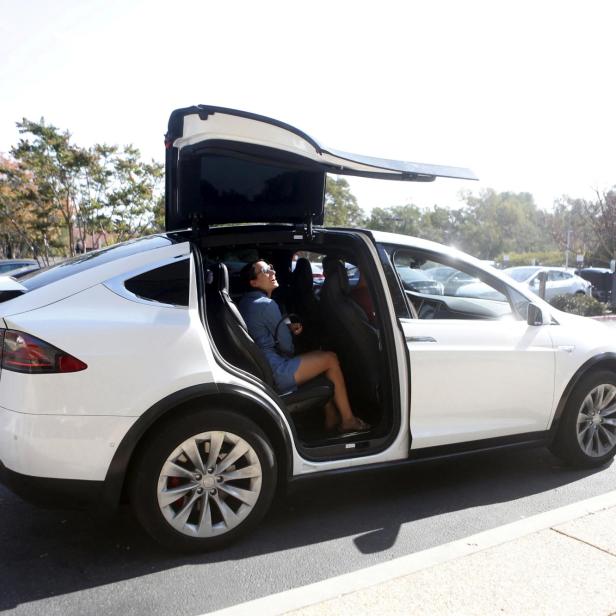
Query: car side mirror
[535, 315]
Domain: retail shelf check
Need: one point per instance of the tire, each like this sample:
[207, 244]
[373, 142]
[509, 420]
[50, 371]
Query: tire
[190, 503]
[586, 436]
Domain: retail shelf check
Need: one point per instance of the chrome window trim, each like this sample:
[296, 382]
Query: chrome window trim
[116, 284]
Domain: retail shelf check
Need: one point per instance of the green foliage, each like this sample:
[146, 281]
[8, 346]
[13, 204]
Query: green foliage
[549, 257]
[87, 197]
[341, 208]
[59, 197]
[24, 217]
[404, 219]
[583, 305]
[127, 193]
[437, 224]
[56, 165]
[592, 223]
[495, 223]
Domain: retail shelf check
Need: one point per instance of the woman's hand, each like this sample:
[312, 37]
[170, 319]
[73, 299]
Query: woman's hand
[296, 328]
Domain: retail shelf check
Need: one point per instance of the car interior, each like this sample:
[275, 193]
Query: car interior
[332, 320]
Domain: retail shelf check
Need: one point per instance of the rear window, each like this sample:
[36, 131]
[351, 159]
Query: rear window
[81, 263]
[168, 284]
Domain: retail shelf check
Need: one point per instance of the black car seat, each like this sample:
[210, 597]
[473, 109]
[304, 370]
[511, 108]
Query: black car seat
[352, 337]
[303, 302]
[232, 338]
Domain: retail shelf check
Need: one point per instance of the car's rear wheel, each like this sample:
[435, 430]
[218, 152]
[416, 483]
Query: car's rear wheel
[587, 434]
[203, 480]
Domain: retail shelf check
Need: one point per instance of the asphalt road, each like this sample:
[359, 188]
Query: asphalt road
[66, 562]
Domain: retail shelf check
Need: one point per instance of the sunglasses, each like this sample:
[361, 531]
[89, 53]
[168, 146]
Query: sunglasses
[267, 270]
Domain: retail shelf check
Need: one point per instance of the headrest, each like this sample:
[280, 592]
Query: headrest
[302, 275]
[223, 277]
[337, 277]
[329, 263]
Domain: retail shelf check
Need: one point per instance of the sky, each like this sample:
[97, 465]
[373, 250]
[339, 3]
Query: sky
[523, 93]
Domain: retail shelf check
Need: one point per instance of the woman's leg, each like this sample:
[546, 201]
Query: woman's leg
[332, 417]
[325, 362]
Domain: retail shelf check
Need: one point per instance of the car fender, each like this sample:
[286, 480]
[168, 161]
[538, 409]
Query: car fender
[603, 360]
[241, 396]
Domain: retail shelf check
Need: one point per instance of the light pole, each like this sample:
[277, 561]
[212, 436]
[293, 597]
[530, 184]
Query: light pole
[569, 232]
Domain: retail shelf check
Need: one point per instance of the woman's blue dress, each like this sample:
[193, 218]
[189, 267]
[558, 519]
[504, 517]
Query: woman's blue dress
[262, 316]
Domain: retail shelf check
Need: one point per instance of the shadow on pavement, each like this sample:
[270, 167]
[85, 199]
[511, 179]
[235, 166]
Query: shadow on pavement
[48, 553]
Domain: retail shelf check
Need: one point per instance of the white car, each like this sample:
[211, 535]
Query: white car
[128, 374]
[559, 280]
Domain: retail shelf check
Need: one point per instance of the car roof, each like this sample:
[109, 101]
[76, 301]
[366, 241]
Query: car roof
[385, 237]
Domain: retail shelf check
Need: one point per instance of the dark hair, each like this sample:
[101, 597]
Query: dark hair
[248, 273]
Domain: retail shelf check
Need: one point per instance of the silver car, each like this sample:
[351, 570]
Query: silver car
[560, 281]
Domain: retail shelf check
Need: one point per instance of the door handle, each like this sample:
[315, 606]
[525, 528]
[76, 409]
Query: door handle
[420, 339]
[567, 348]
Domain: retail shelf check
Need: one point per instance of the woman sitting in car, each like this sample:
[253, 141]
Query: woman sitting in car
[275, 338]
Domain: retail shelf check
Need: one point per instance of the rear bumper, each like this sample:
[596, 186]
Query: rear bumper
[47, 492]
[70, 447]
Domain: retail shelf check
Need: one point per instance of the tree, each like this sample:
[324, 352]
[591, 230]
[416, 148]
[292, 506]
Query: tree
[24, 219]
[123, 193]
[93, 193]
[341, 208]
[403, 219]
[492, 223]
[593, 223]
[56, 165]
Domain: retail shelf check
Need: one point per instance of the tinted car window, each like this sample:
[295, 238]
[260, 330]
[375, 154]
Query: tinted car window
[227, 189]
[168, 284]
[81, 263]
[7, 267]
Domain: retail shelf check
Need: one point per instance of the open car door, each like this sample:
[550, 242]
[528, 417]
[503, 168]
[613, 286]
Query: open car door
[229, 166]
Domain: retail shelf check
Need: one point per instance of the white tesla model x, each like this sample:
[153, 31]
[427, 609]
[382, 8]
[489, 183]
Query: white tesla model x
[128, 374]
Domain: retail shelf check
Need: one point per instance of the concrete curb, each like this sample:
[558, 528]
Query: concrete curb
[338, 586]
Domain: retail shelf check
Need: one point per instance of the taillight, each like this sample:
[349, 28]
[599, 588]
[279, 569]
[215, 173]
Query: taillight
[24, 353]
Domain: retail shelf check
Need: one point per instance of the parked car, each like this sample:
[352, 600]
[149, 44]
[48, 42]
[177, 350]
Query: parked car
[560, 281]
[601, 280]
[17, 267]
[417, 280]
[451, 278]
[128, 373]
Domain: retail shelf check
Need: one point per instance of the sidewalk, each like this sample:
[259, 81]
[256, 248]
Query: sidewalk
[559, 562]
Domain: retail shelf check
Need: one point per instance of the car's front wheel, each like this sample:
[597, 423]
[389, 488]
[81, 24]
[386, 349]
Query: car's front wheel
[586, 436]
[203, 480]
